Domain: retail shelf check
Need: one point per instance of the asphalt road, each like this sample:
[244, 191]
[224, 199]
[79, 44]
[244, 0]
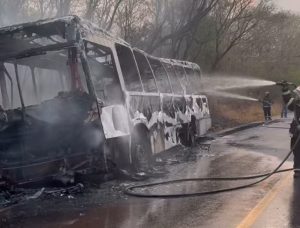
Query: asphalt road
[253, 151]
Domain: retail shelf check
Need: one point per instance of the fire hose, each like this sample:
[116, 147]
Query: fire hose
[131, 190]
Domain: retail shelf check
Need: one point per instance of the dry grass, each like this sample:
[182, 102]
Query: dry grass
[226, 113]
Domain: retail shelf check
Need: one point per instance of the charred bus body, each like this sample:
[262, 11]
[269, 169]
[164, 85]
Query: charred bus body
[70, 92]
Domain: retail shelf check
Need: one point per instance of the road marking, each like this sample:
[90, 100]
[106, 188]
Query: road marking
[255, 213]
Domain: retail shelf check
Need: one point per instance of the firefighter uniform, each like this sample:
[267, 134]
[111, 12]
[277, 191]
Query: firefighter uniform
[293, 104]
[267, 104]
[286, 95]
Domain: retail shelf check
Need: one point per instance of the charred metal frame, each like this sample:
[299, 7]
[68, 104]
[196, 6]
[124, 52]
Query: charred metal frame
[73, 36]
[76, 49]
[76, 54]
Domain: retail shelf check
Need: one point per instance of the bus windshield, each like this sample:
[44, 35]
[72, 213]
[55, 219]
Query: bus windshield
[103, 73]
[41, 78]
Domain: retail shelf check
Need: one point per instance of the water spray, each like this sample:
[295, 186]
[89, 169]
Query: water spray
[218, 86]
[226, 83]
[230, 95]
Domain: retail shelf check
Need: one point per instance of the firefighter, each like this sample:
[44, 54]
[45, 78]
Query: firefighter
[267, 104]
[286, 94]
[293, 104]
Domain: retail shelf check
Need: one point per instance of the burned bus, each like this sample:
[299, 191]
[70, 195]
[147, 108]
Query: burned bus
[73, 97]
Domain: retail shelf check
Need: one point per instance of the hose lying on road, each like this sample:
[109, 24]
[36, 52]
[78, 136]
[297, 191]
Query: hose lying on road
[131, 190]
[277, 127]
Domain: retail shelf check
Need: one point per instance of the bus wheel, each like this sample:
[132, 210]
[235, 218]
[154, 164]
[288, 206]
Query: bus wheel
[141, 151]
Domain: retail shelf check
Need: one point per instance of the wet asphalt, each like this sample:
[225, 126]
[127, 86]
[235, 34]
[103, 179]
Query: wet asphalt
[253, 151]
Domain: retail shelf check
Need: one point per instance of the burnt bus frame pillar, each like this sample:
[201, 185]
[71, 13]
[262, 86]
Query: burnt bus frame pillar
[4, 93]
[91, 89]
[20, 90]
[34, 84]
[87, 72]
[11, 87]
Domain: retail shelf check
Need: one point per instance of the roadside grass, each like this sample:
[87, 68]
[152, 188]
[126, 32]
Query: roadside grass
[231, 114]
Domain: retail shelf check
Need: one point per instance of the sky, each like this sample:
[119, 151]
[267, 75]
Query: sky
[292, 5]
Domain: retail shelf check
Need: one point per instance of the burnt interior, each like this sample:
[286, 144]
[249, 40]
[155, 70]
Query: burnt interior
[48, 116]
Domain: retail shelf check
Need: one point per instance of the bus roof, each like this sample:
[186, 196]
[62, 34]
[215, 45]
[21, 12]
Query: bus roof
[32, 38]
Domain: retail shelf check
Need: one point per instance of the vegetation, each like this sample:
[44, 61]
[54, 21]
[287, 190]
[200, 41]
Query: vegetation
[240, 37]
[243, 37]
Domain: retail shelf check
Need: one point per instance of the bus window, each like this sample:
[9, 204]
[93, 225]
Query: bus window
[199, 103]
[104, 76]
[177, 89]
[145, 72]
[197, 73]
[45, 71]
[161, 76]
[193, 81]
[128, 66]
[180, 104]
[182, 77]
[205, 105]
[48, 87]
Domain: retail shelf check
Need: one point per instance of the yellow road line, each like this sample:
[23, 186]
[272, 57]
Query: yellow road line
[254, 214]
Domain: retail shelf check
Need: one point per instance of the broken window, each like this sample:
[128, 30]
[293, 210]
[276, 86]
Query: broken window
[31, 38]
[198, 72]
[177, 89]
[129, 70]
[42, 77]
[199, 103]
[161, 76]
[103, 72]
[145, 72]
[11, 87]
[50, 83]
[193, 81]
[179, 70]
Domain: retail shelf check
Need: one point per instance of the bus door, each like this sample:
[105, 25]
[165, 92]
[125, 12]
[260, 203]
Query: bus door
[170, 122]
[181, 99]
[177, 95]
[151, 99]
[167, 117]
[143, 100]
[194, 102]
[108, 89]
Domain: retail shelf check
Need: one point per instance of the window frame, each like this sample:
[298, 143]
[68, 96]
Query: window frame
[135, 64]
[150, 67]
[166, 73]
[179, 78]
[114, 64]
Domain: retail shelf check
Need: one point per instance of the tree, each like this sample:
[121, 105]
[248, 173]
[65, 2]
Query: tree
[102, 12]
[132, 18]
[177, 21]
[63, 7]
[234, 19]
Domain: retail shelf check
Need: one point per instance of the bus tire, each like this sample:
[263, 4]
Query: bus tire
[141, 149]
